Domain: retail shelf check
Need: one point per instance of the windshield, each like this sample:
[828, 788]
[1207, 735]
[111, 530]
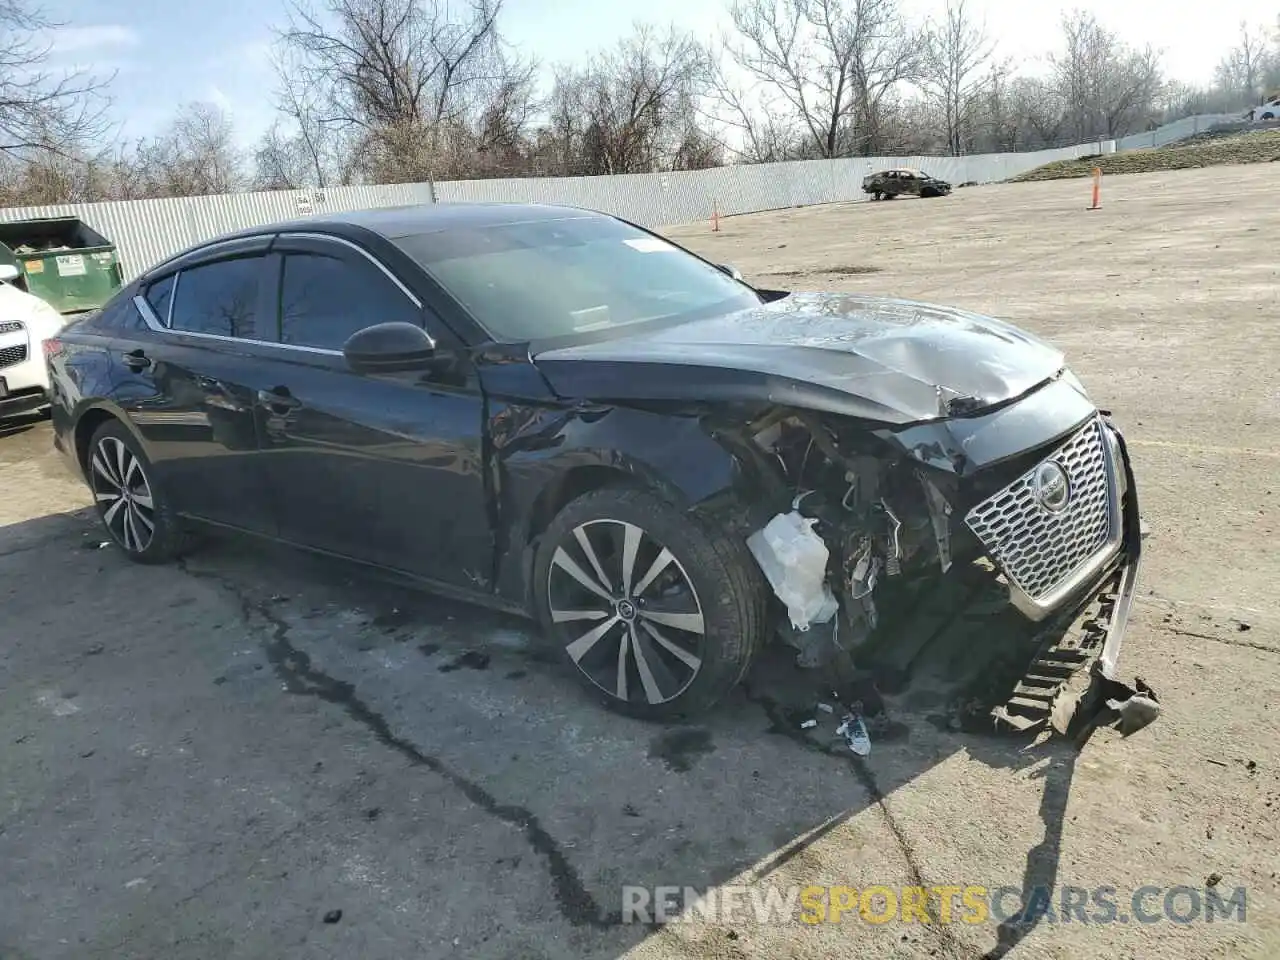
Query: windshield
[553, 278]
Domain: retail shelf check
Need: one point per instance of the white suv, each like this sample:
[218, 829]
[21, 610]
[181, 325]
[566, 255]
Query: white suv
[26, 322]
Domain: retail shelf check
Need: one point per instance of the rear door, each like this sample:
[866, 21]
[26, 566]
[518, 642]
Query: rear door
[385, 469]
[190, 387]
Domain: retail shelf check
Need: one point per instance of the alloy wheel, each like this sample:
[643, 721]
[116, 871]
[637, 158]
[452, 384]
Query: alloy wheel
[626, 612]
[123, 494]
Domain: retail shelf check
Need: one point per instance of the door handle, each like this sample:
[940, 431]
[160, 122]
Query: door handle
[136, 360]
[278, 399]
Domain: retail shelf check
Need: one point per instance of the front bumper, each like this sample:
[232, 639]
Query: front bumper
[1110, 587]
[1131, 559]
[1054, 559]
[24, 380]
[29, 399]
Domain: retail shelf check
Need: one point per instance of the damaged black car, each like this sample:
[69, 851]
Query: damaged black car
[561, 414]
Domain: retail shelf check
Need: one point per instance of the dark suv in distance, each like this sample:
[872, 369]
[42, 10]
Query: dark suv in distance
[558, 413]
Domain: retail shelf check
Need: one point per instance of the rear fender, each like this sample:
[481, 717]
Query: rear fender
[84, 420]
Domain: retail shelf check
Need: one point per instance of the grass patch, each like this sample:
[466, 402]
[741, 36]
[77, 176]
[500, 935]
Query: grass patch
[1203, 151]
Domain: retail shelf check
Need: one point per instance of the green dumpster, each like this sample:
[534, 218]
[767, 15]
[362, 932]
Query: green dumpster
[64, 261]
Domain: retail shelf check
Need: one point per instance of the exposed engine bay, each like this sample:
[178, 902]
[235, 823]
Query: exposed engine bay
[881, 518]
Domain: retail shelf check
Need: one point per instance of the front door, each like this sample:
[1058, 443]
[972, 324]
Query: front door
[387, 470]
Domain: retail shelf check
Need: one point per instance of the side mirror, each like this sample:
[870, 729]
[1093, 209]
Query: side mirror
[731, 270]
[389, 348]
[9, 272]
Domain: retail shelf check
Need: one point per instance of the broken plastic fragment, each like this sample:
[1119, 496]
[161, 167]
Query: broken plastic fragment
[808, 724]
[1135, 713]
[855, 734]
[794, 560]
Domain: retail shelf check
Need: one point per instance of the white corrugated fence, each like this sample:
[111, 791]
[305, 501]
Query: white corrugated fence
[146, 231]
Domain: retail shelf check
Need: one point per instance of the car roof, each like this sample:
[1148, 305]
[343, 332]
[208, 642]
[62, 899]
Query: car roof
[394, 223]
[417, 219]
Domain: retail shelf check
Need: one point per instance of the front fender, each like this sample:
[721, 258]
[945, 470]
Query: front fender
[674, 454]
[541, 456]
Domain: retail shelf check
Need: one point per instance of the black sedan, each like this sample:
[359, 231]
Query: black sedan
[559, 413]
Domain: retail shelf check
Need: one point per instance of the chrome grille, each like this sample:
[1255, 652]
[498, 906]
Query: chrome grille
[1036, 548]
[11, 355]
[10, 326]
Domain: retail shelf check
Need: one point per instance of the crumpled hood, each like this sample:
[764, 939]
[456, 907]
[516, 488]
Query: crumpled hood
[895, 361]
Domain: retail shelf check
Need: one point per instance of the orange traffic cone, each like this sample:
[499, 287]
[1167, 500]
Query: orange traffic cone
[1097, 189]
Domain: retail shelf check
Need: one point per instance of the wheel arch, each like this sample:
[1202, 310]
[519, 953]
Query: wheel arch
[672, 456]
[564, 488]
[89, 421]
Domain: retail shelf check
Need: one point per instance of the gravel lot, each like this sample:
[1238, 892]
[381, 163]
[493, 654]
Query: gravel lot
[203, 760]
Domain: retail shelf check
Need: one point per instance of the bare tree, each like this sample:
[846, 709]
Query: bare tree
[49, 177]
[196, 155]
[758, 130]
[1109, 87]
[633, 109]
[409, 80]
[281, 160]
[40, 110]
[300, 149]
[832, 63]
[959, 67]
[1243, 71]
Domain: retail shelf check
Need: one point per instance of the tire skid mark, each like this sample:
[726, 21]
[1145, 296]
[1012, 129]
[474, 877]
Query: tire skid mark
[295, 670]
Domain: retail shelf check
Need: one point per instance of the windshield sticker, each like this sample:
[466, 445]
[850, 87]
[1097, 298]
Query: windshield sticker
[648, 245]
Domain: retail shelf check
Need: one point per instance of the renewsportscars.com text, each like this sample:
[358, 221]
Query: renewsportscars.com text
[971, 904]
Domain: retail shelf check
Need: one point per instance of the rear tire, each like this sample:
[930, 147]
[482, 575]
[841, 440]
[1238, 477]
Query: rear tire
[133, 509]
[658, 614]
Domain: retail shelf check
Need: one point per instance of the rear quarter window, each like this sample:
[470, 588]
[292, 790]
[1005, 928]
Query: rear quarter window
[118, 315]
[159, 295]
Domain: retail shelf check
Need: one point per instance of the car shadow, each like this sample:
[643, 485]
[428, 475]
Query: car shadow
[966, 672]
[600, 799]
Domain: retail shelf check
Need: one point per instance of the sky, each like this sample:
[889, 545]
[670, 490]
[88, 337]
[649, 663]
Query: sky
[163, 53]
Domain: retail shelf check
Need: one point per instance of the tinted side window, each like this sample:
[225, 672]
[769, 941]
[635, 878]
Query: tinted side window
[324, 300]
[158, 295]
[119, 314]
[220, 298]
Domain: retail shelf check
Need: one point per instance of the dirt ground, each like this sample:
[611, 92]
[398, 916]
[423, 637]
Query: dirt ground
[202, 760]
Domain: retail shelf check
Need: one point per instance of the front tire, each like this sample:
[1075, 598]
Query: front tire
[658, 615]
[132, 508]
